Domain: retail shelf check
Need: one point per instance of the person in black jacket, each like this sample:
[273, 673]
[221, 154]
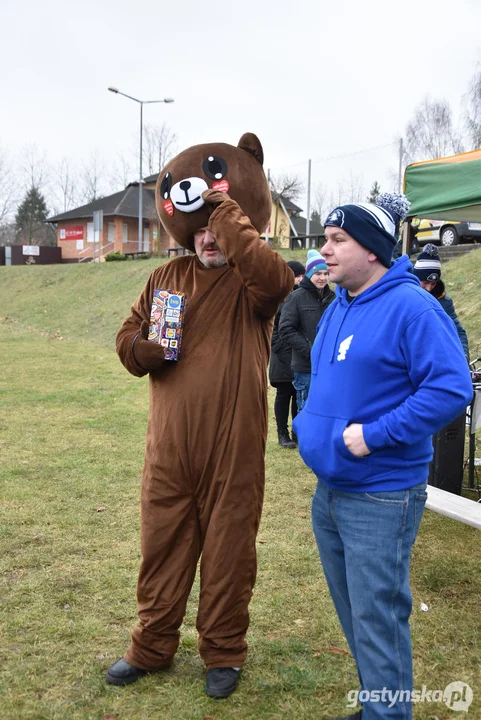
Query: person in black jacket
[280, 372]
[428, 271]
[299, 319]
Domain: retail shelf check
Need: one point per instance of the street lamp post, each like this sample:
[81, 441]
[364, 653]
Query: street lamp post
[141, 103]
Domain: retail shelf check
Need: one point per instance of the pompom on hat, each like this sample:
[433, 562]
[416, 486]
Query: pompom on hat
[375, 227]
[428, 264]
[397, 205]
[315, 262]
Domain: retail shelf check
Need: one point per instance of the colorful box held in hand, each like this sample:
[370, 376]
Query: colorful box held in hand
[167, 321]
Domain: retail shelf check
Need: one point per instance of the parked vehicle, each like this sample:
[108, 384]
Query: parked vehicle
[445, 232]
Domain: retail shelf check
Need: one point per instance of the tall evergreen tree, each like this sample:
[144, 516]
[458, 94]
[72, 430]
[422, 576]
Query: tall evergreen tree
[374, 192]
[31, 215]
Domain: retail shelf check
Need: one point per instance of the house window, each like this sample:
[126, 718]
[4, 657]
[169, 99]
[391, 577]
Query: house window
[125, 233]
[90, 232]
[111, 233]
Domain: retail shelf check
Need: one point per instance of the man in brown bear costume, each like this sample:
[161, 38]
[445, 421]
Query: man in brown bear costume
[203, 478]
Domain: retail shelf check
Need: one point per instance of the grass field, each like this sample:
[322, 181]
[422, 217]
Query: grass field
[72, 434]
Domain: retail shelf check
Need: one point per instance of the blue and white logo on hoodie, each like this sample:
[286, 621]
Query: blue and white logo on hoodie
[344, 347]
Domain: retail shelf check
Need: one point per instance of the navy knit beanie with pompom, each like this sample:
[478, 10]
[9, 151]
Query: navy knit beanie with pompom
[375, 227]
[428, 264]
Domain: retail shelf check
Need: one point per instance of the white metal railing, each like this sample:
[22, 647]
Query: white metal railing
[94, 250]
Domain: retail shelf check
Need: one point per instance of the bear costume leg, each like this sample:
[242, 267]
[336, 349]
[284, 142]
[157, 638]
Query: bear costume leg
[228, 567]
[170, 542]
[220, 518]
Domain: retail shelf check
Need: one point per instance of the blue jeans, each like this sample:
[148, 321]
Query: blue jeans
[365, 542]
[302, 383]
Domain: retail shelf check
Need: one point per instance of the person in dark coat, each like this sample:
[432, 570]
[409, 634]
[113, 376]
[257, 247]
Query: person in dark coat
[280, 372]
[299, 319]
[428, 271]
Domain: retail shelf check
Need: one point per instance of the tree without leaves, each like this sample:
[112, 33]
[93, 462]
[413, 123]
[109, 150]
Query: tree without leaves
[34, 168]
[287, 185]
[392, 179]
[347, 191]
[355, 189]
[122, 173]
[8, 233]
[472, 116]
[320, 201]
[64, 186]
[431, 134]
[7, 187]
[159, 145]
[337, 196]
[92, 179]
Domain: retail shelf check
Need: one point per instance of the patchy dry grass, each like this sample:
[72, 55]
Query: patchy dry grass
[72, 433]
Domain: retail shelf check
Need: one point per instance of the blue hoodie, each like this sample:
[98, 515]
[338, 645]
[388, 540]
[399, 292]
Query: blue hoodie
[391, 360]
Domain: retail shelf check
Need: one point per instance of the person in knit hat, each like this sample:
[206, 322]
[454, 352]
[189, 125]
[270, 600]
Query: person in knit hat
[428, 271]
[388, 372]
[375, 227]
[280, 372]
[298, 269]
[299, 319]
[427, 267]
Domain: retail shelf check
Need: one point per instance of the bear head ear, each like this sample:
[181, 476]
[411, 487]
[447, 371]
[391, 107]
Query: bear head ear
[251, 144]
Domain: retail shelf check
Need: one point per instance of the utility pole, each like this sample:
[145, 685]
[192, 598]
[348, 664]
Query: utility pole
[401, 152]
[308, 221]
[115, 90]
[140, 243]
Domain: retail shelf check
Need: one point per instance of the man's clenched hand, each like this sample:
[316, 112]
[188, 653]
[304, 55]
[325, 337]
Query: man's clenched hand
[354, 440]
[149, 355]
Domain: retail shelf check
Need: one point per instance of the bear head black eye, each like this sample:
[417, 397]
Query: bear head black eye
[166, 186]
[214, 167]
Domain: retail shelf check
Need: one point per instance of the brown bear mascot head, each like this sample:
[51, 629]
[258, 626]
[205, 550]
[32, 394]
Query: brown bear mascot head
[234, 170]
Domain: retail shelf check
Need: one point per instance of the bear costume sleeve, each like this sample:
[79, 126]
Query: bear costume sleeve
[130, 329]
[264, 274]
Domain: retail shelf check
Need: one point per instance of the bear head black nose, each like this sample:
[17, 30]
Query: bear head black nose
[185, 185]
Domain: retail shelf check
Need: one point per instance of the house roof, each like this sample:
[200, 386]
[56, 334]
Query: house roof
[124, 204]
[315, 228]
[151, 178]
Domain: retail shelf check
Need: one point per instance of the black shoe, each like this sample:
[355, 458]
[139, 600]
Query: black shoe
[221, 682]
[123, 673]
[294, 437]
[285, 441]
[356, 716]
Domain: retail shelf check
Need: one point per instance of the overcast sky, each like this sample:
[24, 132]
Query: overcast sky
[312, 78]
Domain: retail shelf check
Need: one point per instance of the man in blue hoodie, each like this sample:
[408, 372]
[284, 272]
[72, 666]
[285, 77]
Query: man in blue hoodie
[388, 371]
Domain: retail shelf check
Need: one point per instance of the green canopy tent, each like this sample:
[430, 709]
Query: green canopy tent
[445, 188]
